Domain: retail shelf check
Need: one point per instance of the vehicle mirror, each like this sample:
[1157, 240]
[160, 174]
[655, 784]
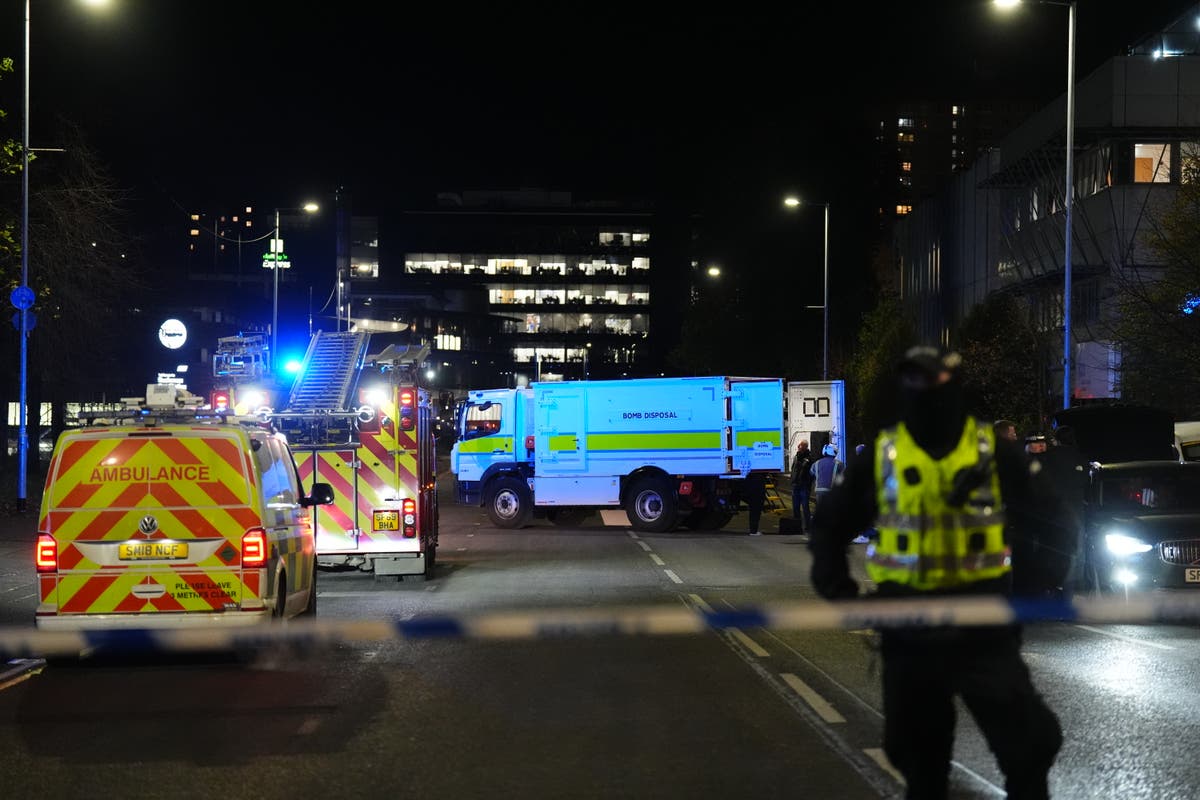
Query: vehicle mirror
[319, 495]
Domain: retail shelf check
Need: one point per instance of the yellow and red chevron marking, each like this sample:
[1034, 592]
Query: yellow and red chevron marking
[336, 520]
[181, 469]
[110, 592]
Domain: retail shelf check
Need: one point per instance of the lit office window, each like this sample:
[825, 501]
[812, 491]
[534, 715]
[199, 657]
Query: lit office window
[448, 341]
[1152, 163]
[901, 210]
[904, 122]
[906, 166]
[194, 232]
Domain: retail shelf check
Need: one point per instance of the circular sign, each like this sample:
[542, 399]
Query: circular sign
[172, 334]
[22, 297]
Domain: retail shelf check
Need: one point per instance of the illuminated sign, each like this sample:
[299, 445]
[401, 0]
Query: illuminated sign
[273, 260]
[172, 334]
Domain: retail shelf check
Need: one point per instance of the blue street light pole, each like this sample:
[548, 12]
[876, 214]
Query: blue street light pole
[22, 429]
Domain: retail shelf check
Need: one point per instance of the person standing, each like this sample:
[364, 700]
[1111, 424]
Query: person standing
[946, 496]
[825, 471]
[802, 485]
[755, 486]
[1005, 429]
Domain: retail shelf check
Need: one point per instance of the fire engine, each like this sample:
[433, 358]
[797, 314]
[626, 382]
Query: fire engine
[243, 381]
[362, 423]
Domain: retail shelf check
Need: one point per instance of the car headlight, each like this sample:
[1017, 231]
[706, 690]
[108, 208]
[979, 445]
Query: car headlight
[1121, 545]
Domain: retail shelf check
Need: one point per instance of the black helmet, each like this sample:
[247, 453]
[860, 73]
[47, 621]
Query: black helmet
[925, 366]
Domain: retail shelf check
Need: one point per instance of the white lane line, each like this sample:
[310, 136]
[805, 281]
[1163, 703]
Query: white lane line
[470, 535]
[645, 546]
[748, 643]
[673, 576]
[1124, 638]
[818, 704]
[751, 645]
[461, 549]
[632, 535]
[657, 560]
[879, 757]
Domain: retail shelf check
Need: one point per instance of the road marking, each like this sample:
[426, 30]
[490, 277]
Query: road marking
[657, 560]
[673, 576]
[20, 669]
[632, 535]
[309, 725]
[818, 704]
[470, 535]
[699, 601]
[1124, 638]
[461, 549]
[750, 644]
[645, 546]
[879, 757]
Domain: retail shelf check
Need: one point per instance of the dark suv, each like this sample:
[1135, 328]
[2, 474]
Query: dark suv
[1141, 527]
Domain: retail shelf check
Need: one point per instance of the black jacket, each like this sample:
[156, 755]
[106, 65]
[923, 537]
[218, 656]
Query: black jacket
[1034, 522]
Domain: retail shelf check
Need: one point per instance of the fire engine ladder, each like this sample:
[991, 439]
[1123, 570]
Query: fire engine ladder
[331, 369]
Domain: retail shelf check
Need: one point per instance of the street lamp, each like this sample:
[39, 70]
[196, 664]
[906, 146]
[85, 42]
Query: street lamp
[1070, 184]
[277, 261]
[796, 202]
[23, 297]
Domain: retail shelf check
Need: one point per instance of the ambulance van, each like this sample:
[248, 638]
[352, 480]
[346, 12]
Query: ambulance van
[160, 524]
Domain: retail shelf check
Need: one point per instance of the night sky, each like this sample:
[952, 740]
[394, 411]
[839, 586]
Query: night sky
[205, 104]
[192, 99]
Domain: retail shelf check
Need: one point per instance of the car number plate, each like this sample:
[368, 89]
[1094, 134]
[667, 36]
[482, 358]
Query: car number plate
[152, 551]
[386, 521]
[1191, 575]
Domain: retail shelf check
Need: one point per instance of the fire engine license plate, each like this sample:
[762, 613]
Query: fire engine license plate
[1191, 575]
[386, 521]
[142, 551]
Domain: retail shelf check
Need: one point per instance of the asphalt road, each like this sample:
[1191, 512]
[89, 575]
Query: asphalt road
[740, 713]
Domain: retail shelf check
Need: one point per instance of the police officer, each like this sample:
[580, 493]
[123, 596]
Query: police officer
[825, 471]
[947, 487]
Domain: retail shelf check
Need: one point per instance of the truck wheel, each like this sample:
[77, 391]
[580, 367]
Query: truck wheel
[310, 610]
[430, 559]
[650, 505]
[508, 503]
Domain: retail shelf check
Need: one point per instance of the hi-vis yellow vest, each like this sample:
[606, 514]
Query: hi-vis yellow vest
[924, 543]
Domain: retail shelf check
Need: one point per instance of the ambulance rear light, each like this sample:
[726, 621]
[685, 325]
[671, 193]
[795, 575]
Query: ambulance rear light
[408, 511]
[685, 488]
[45, 556]
[254, 548]
[408, 414]
[529, 443]
[220, 401]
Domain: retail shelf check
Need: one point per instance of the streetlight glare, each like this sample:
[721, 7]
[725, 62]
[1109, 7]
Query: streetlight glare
[791, 202]
[311, 208]
[714, 271]
[1006, 4]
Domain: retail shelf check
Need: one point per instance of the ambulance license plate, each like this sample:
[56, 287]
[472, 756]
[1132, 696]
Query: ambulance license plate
[152, 551]
[386, 521]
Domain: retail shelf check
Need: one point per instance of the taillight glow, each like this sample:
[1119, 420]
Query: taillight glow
[254, 548]
[408, 419]
[685, 488]
[408, 510]
[45, 556]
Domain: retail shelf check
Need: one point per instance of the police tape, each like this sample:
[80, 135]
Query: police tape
[858, 614]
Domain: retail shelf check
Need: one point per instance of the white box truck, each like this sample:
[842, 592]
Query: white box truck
[669, 451]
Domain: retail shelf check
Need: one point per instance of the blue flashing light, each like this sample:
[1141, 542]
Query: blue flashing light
[1190, 303]
[293, 366]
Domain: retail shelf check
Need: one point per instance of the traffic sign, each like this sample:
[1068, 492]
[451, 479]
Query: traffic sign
[22, 297]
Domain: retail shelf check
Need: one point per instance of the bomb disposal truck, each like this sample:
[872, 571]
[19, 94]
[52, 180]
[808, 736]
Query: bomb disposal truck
[668, 451]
